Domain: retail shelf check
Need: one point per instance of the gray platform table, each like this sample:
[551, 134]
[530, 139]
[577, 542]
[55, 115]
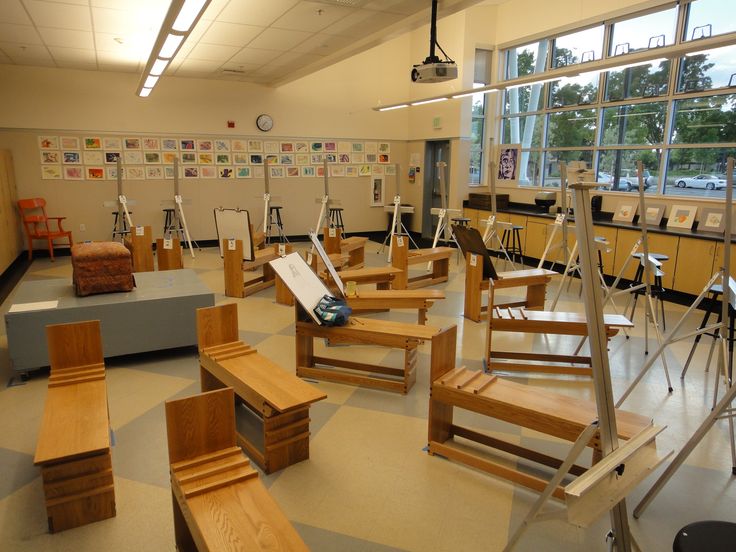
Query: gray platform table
[158, 314]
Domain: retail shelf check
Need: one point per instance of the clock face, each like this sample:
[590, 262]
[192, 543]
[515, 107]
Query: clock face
[264, 122]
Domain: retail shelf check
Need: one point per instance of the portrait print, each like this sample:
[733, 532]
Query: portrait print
[508, 160]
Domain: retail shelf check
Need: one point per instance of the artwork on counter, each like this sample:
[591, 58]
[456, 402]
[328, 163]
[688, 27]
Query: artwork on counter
[48, 142]
[508, 162]
[92, 143]
[654, 214]
[72, 143]
[682, 216]
[712, 219]
[625, 210]
[378, 187]
[51, 172]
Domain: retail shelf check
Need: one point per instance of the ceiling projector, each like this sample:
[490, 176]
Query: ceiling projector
[434, 72]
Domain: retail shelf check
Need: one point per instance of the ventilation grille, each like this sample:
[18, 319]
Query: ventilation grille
[345, 3]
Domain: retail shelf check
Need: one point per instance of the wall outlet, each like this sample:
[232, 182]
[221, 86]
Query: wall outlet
[82, 227]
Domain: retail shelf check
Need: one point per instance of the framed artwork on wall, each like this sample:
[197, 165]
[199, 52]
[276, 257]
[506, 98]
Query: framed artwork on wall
[509, 156]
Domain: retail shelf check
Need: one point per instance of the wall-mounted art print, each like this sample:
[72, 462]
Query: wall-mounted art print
[205, 145]
[168, 157]
[343, 158]
[654, 213]
[317, 158]
[93, 157]
[48, 142]
[344, 147]
[111, 157]
[286, 147]
[169, 172]
[330, 146]
[364, 170]
[320, 171]
[378, 170]
[276, 172]
[111, 173]
[92, 143]
[50, 157]
[208, 171]
[258, 171]
[357, 158]
[378, 187]
[222, 145]
[256, 159]
[95, 173]
[682, 216]
[151, 157]
[390, 170]
[187, 144]
[72, 142]
[301, 147]
[240, 158]
[151, 143]
[75, 172]
[191, 171]
[308, 171]
[302, 158]
[370, 147]
[71, 157]
[316, 147]
[255, 146]
[384, 147]
[286, 159]
[51, 172]
[133, 157]
[188, 157]
[337, 170]
[134, 173]
[271, 147]
[712, 219]
[509, 156]
[169, 144]
[242, 172]
[205, 158]
[225, 172]
[223, 159]
[371, 158]
[132, 143]
[238, 145]
[292, 172]
[384, 158]
[271, 159]
[331, 157]
[351, 171]
[356, 147]
[625, 210]
[154, 173]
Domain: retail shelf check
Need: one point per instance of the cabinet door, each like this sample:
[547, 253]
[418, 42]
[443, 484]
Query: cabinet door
[520, 220]
[694, 264]
[658, 243]
[625, 240]
[536, 237]
[718, 260]
[610, 234]
[666, 245]
[10, 231]
[472, 214]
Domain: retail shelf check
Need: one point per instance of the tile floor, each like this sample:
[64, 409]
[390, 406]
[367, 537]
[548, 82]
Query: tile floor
[368, 485]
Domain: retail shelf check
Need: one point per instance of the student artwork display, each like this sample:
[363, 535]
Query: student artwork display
[87, 157]
[625, 210]
[654, 213]
[712, 220]
[682, 216]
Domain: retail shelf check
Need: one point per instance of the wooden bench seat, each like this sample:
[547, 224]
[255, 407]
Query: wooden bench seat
[379, 300]
[520, 320]
[353, 247]
[402, 257]
[219, 503]
[280, 399]
[73, 446]
[365, 331]
[553, 414]
[382, 276]
[235, 266]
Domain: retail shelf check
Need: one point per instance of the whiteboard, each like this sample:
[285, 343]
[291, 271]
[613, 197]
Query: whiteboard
[234, 224]
[301, 281]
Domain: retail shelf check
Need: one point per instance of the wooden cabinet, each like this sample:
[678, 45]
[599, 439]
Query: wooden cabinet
[536, 236]
[694, 265]
[10, 231]
[718, 259]
[658, 243]
[472, 214]
[611, 235]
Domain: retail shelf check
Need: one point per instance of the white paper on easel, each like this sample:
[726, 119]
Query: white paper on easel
[38, 305]
[301, 281]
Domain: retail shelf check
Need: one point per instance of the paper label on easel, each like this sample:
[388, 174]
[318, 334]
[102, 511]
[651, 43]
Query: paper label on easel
[309, 258]
[559, 219]
[473, 259]
[635, 248]
[400, 241]
[231, 245]
[168, 243]
[139, 231]
[332, 232]
[282, 249]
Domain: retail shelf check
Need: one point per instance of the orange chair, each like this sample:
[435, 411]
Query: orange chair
[36, 223]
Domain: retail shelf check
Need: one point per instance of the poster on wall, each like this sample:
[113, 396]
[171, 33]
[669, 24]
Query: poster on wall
[509, 156]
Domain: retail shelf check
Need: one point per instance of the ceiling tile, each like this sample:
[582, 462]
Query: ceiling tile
[404, 7]
[131, 5]
[255, 12]
[74, 58]
[141, 21]
[362, 23]
[67, 38]
[61, 16]
[189, 66]
[212, 52]
[212, 12]
[255, 56]
[310, 16]
[11, 11]
[20, 34]
[247, 67]
[230, 34]
[279, 39]
[289, 58]
[324, 44]
[125, 45]
[112, 61]
[77, 2]
[27, 55]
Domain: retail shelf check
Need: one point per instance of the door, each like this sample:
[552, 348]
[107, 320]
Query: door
[434, 151]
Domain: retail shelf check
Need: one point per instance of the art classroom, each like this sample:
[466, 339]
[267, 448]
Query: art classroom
[367, 275]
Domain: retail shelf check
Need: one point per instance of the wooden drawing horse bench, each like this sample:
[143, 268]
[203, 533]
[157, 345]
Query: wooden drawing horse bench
[219, 503]
[402, 257]
[479, 271]
[235, 266]
[280, 399]
[73, 447]
[353, 247]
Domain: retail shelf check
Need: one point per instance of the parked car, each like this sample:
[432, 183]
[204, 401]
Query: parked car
[707, 181]
[629, 180]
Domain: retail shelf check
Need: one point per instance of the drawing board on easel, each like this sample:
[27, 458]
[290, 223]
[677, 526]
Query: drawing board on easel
[301, 280]
[234, 224]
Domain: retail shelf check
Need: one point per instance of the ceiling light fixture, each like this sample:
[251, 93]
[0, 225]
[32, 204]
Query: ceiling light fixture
[432, 100]
[181, 18]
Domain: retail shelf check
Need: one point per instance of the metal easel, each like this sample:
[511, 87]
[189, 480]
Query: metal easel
[491, 230]
[724, 408]
[323, 214]
[179, 212]
[397, 227]
[443, 213]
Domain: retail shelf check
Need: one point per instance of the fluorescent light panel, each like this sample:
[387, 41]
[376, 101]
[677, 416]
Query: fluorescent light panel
[433, 100]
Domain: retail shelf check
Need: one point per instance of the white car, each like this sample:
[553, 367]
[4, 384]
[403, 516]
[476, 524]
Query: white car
[707, 181]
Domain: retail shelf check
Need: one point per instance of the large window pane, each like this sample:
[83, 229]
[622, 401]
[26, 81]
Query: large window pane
[711, 69]
[530, 169]
[476, 160]
[552, 160]
[705, 120]
[571, 128]
[698, 172]
[578, 47]
[522, 99]
[637, 124]
[574, 91]
[526, 60]
[641, 33]
[618, 168]
[637, 82]
[526, 131]
[709, 18]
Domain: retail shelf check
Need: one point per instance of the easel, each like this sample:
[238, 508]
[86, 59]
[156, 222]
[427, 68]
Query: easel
[650, 264]
[491, 224]
[123, 215]
[724, 408]
[267, 207]
[442, 213]
[397, 226]
[323, 219]
[179, 211]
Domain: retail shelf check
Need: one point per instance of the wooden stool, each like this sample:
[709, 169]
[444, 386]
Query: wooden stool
[335, 216]
[274, 219]
[512, 242]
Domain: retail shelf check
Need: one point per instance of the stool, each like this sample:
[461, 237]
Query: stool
[172, 224]
[714, 303]
[657, 287]
[274, 219]
[706, 536]
[125, 230]
[512, 243]
[335, 216]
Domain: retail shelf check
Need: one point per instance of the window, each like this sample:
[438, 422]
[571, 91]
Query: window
[578, 47]
[482, 76]
[619, 169]
[571, 128]
[706, 70]
[697, 171]
[636, 124]
[709, 18]
[526, 131]
[638, 82]
[552, 162]
[526, 60]
[706, 120]
[574, 91]
[641, 33]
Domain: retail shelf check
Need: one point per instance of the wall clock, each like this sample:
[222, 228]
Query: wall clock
[264, 122]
